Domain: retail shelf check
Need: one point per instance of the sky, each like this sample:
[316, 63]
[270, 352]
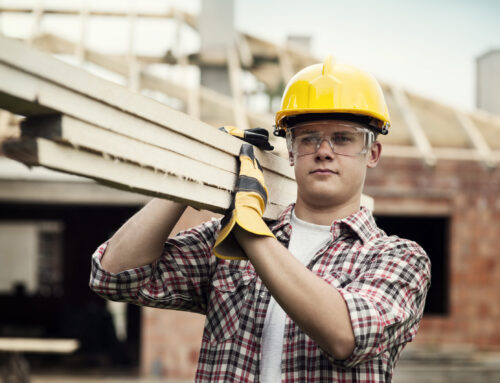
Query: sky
[427, 47]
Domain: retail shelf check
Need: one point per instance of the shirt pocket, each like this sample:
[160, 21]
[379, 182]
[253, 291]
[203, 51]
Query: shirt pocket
[231, 288]
[228, 297]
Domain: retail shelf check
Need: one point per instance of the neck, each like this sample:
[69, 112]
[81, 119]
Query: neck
[324, 215]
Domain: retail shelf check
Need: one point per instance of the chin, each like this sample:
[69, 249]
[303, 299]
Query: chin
[327, 197]
[324, 199]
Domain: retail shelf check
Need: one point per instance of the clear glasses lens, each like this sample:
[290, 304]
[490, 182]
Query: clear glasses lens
[347, 142]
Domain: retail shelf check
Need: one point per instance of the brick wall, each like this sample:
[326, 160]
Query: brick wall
[469, 195]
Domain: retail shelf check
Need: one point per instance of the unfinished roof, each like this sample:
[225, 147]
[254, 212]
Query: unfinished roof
[421, 128]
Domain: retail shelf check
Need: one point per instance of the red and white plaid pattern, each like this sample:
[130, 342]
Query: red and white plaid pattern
[384, 281]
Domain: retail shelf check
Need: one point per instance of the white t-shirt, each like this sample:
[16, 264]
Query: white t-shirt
[306, 239]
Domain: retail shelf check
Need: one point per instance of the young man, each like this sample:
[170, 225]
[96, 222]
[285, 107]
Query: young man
[321, 294]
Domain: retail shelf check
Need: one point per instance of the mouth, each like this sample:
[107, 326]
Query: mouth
[323, 171]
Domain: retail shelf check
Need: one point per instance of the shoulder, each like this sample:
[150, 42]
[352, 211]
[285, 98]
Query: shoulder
[205, 233]
[396, 253]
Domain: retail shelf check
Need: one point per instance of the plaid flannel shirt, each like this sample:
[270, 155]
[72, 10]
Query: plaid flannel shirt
[383, 280]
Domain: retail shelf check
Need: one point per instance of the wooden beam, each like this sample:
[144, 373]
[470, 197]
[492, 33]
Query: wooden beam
[39, 345]
[83, 135]
[189, 18]
[476, 139]
[64, 193]
[442, 153]
[118, 174]
[416, 130]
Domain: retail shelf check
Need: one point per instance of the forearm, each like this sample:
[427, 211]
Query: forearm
[140, 240]
[315, 306]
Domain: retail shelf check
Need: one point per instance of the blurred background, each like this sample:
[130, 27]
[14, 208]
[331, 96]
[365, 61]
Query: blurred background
[227, 62]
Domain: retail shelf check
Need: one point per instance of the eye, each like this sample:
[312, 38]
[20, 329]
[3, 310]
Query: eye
[343, 138]
[307, 139]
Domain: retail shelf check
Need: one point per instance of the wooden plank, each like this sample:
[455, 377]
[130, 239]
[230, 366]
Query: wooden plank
[97, 113]
[81, 134]
[39, 151]
[64, 193]
[191, 166]
[122, 175]
[39, 345]
[416, 131]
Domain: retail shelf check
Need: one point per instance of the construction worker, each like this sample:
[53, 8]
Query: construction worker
[320, 294]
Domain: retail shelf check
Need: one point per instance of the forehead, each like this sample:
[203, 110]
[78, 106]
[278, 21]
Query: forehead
[327, 126]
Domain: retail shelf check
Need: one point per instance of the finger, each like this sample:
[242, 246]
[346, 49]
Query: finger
[247, 151]
[233, 131]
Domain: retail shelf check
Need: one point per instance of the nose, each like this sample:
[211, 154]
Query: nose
[325, 149]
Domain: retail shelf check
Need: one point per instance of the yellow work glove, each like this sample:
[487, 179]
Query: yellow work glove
[247, 207]
[255, 136]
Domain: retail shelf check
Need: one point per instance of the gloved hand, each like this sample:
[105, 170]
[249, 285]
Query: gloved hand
[247, 207]
[255, 136]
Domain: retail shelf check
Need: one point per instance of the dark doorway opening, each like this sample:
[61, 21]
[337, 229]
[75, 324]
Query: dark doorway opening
[432, 233]
[70, 309]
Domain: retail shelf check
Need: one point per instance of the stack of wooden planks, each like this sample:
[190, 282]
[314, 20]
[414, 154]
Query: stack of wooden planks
[81, 124]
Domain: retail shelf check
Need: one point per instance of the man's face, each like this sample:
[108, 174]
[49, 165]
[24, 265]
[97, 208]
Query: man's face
[330, 158]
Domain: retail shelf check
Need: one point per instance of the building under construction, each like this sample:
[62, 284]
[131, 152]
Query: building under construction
[437, 182]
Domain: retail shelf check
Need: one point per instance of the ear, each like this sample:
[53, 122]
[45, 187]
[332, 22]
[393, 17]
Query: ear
[291, 160]
[374, 154]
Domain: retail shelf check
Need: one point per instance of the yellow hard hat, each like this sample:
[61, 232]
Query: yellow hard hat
[338, 90]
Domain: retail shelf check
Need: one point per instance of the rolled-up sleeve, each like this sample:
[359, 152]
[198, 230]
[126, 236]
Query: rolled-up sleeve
[177, 280]
[386, 302]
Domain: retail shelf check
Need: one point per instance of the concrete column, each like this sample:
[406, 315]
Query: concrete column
[217, 32]
[488, 82]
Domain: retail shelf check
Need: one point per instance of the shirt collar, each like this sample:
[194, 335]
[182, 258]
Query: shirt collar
[361, 223]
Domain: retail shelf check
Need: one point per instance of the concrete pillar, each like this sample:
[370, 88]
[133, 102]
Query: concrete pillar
[488, 81]
[302, 42]
[217, 33]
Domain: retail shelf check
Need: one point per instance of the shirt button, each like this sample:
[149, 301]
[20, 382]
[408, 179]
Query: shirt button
[262, 294]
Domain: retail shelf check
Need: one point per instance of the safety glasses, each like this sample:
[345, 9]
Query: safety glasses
[344, 138]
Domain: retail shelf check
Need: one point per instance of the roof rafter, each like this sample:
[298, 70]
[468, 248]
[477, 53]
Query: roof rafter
[476, 139]
[416, 131]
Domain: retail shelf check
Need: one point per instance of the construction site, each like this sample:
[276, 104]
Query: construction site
[88, 137]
